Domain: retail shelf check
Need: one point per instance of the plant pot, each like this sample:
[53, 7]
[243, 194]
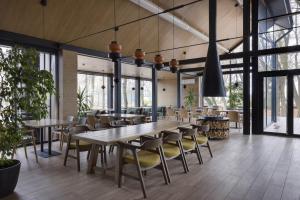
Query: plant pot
[8, 178]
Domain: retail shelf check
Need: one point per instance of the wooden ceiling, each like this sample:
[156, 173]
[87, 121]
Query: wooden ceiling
[65, 20]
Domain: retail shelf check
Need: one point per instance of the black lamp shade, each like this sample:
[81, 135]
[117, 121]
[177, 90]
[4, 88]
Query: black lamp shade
[212, 81]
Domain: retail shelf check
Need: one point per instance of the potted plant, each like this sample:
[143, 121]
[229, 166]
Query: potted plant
[82, 104]
[23, 88]
[190, 99]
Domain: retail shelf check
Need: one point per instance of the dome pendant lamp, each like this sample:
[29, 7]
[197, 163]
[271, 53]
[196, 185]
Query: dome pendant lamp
[212, 81]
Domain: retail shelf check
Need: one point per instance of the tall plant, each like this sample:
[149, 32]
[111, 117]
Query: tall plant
[236, 95]
[23, 88]
[82, 103]
[190, 99]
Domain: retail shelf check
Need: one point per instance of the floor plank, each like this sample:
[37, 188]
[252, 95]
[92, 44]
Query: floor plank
[243, 167]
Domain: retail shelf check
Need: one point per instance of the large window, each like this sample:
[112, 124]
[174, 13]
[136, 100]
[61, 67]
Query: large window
[128, 93]
[146, 93]
[95, 87]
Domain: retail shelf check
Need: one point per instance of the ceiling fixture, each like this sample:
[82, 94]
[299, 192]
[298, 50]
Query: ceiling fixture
[139, 53]
[114, 47]
[173, 63]
[212, 80]
[158, 59]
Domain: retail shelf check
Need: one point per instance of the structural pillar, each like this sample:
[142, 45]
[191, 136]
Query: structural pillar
[246, 72]
[179, 89]
[117, 86]
[154, 94]
[110, 91]
[138, 92]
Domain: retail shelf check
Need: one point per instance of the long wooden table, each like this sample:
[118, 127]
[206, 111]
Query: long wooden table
[42, 124]
[121, 116]
[123, 134]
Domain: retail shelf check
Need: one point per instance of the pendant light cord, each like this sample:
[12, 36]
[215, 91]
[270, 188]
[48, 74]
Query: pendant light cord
[115, 22]
[173, 32]
[139, 15]
[43, 21]
[158, 27]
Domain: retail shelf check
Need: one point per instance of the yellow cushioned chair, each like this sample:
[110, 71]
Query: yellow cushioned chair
[202, 138]
[173, 147]
[146, 156]
[189, 141]
[79, 146]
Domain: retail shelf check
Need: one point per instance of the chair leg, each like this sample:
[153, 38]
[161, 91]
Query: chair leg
[25, 151]
[164, 162]
[139, 171]
[104, 152]
[67, 152]
[102, 158]
[199, 154]
[120, 167]
[208, 146]
[35, 152]
[78, 155]
[182, 157]
[61, 141]
[88, 154]
[162, 167]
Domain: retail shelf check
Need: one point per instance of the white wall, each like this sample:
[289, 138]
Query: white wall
[169, 96]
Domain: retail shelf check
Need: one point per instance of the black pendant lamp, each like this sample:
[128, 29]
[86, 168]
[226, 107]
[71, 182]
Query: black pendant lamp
[212, 82]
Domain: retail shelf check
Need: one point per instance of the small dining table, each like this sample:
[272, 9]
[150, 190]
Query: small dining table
[41, 125]
[122, 134]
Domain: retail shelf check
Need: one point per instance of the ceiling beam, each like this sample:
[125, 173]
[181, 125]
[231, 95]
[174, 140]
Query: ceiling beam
[153, 8]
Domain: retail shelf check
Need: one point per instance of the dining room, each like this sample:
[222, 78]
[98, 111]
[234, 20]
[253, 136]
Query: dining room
[149, 99]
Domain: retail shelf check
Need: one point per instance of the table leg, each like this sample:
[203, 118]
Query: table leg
[49, 141]
[42, 139]
[117, 164]
[93, 158]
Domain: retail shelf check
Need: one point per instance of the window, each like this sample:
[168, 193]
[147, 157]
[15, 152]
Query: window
[128, 91]
[95, 87]
[146, 93]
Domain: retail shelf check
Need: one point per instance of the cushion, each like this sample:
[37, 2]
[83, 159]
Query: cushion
[201, 139]
[82, 145]
[146, 159]
[188, 144]
[171, 150]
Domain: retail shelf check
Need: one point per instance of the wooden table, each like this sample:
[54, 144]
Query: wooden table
[123, 134]
[121, 116]
[41, 125]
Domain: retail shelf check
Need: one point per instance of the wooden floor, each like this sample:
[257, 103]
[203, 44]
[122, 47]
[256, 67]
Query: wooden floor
[243, 167]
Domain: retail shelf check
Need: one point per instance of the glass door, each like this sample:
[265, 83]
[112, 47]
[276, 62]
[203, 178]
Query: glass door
[296, 104]
[275, 104]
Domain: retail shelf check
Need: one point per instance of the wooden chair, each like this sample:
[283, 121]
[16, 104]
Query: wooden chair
[61, 132]
[189, 142]
[202, 138]
[27, 138]
[79, 146]
[170, 114]
[234, 116]
[183, 114]
[172, 147]
[147, 155]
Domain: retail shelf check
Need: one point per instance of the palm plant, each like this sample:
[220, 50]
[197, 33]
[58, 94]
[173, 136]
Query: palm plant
[190, 99]
[82, 103]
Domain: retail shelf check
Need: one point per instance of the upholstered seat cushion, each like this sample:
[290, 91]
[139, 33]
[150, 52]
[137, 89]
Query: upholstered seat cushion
[171, 150]
[146, 158]
[201, 139]
[82, 145]
[188, 144]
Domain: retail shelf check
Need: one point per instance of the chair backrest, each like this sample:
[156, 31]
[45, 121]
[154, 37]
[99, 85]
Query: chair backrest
[70, 118]
[78, 129]
[187, 131]
[183, 113]
[233, 116]
[151, 144]
[170, 112]
[171, 136]
[91, 120]
[202, 128]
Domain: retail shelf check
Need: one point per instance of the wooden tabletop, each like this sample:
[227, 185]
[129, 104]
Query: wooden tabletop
[110, 136]
[44, 123]
[118, 115]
